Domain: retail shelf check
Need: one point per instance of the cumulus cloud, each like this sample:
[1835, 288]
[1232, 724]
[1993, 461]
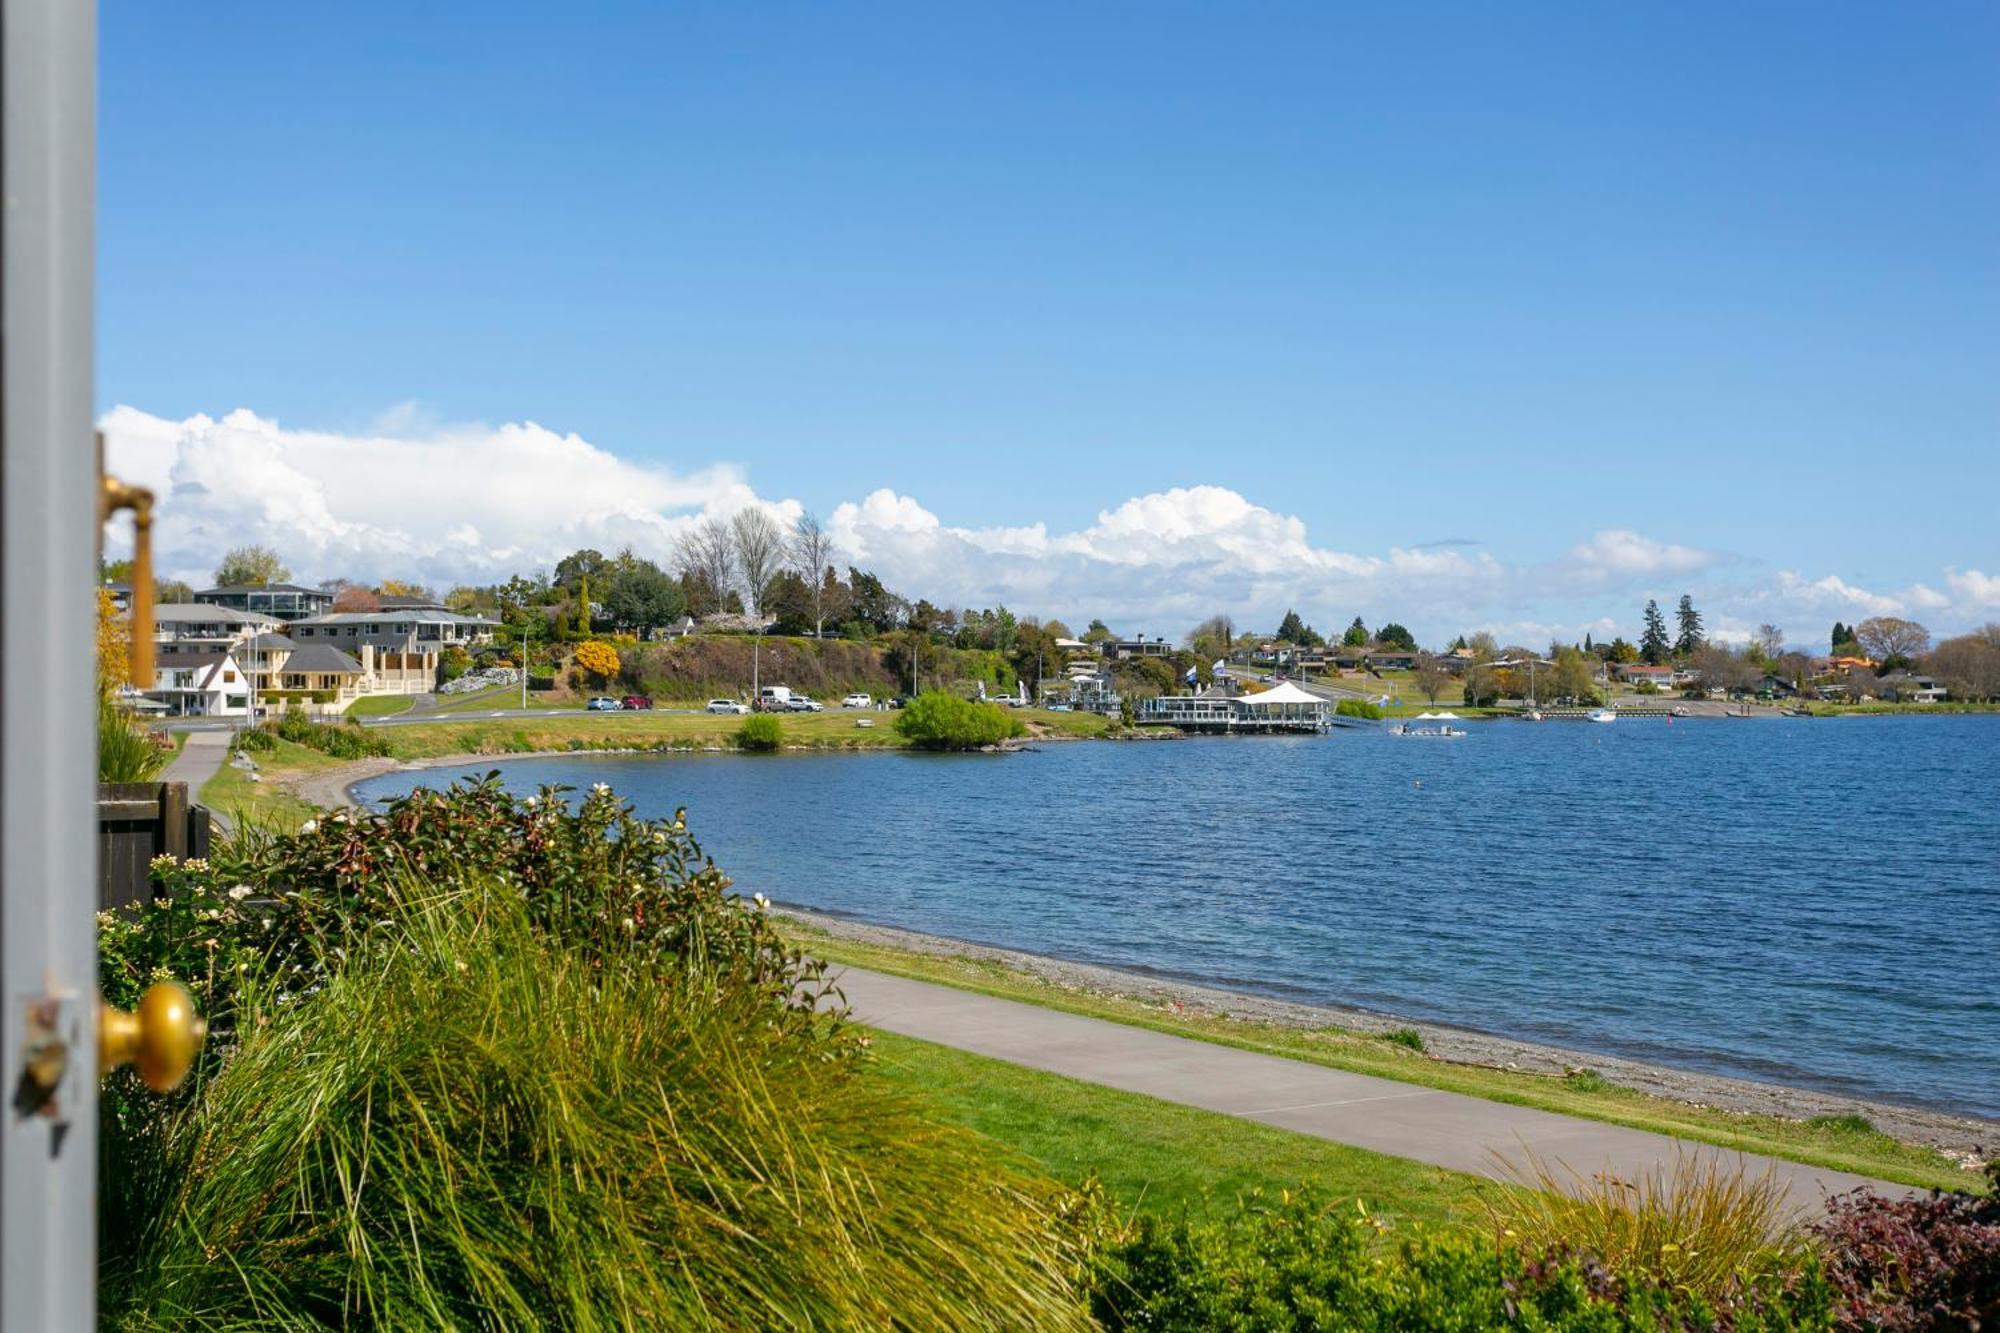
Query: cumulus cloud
[415, 498]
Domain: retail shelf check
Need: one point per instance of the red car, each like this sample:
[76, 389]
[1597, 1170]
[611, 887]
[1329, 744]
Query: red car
[632, 701]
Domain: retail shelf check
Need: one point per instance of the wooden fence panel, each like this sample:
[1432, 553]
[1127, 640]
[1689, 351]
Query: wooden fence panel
[137, 821]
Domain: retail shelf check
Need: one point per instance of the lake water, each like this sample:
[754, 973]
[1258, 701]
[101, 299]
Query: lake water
[1815, 903]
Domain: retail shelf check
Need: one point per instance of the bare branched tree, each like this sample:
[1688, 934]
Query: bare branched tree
[812, 553]
[1884, 637]
[705, 556]
[760, 553]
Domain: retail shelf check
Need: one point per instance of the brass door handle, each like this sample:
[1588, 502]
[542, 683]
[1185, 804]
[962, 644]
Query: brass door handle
[159, 1038]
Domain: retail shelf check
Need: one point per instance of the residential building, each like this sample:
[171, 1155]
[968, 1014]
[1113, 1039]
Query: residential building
[286, 601]
[1632, 673]
[210, 684]
[393, 651]
[184, 630]
[1120, 650]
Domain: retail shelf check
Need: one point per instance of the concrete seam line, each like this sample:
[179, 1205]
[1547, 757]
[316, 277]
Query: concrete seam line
[1348, 1101]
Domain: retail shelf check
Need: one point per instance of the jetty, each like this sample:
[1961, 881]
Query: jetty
[1281, 709]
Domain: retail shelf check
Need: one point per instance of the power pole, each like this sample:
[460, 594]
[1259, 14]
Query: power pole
[524, 668]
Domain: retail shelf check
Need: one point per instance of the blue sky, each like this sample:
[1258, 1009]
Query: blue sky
[1727, 282]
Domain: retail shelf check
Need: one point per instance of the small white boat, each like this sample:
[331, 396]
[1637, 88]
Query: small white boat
[1603, 715]
[1441, 733]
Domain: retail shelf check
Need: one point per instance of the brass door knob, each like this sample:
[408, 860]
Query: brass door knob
[159, 1038]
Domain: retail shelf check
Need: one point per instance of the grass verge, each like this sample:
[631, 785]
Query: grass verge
[1160, 1157]
[1837, 1144]
[380, 705]
[232, 794]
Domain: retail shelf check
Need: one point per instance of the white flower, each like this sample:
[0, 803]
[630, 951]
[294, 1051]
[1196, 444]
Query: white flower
[659, 839]
[761, 901]
[194, 864]
[532, 802]
[309, 826]
[599, 788]
[630, 924]
[240, 892]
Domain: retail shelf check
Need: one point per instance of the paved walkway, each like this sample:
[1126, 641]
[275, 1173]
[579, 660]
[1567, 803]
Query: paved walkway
[1443, 1128]
[199, 760]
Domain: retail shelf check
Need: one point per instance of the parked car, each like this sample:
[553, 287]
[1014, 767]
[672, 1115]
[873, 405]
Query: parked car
[727, 706]
[602, 705]
[802, 704]
[857, 701]
[635, 701]
[774, 699]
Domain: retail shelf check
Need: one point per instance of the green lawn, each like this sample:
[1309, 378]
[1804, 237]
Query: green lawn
[1156, 1155]
[265, 803]
[576, 729]
[1843, 1147]
[380, 705]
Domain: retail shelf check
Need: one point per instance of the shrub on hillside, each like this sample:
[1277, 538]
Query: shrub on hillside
[937, 720]
[597, 661]
[471, 1124]
[760, 732]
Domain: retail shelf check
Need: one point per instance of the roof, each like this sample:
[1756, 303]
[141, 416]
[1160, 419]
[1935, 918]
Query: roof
[1284, 692]
[1629, 667]
[267, 642]
[196, 613]
[398, 602]
[419, 614]
[231, 589]
[323, 658]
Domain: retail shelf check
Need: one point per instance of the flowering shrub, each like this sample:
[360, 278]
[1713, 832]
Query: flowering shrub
[593, 877]
[599, 661]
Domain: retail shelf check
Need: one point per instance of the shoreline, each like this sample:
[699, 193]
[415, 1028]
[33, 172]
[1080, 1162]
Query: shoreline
[1961, 1137]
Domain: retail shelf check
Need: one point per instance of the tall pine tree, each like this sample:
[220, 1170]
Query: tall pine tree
[1653, 642]
[1689, 621]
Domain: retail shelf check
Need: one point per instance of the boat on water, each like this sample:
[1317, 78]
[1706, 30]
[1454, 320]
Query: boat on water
[1603, 715]
[1444, 731]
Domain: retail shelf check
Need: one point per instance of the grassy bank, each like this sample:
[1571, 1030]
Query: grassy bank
[1157, 1156]
[1839, 1144]
[380, 705]
[241, 801]
[674, 731]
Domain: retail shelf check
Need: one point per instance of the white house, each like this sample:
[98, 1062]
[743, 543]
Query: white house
[213, 685]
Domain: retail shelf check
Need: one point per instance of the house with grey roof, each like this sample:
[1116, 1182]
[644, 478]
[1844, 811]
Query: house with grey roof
[286, 601]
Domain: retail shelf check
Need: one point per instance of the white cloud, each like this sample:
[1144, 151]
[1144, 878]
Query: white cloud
[1619, 553]
[414, 498]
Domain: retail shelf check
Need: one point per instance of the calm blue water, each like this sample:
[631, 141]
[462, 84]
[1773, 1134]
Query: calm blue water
[1807, 902]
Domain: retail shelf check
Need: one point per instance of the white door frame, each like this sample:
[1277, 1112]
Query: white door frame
[48, 771]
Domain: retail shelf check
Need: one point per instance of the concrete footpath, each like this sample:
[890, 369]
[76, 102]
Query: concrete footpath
[199, 760]
[1445, 1129]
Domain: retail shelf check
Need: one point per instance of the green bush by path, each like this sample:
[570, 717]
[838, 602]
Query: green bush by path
[342, 741]
[939, 720]
[760, 732]
[1363, 708]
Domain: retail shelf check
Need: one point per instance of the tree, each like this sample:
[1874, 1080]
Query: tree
[1839, 638]
[1653, 642]
[168, 592]
[1574, 675]
[1431, 676]
[789, 601]
[1213, 638]
[1356, 636]
[1969, 665]
[401, 588]
[643, 598]
[874, 605]
[760, 551]
[1884, 637]
[1098, 632]
[705, 558]
[1688, 621]
[1292, 629]
[1716, 667]
[354, 597]
[1621, 651]
[1768, 642]
[1395, 636]
[579, 567]
[1482, 685]
[811, 550]
[597, 660]
[250, 566]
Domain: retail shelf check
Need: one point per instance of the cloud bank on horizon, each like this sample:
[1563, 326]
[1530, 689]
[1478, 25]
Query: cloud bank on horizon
[475, 504]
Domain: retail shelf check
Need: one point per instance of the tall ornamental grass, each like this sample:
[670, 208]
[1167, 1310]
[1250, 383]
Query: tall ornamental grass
[126, 750]
[1702, 1227]
[472, 1126]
